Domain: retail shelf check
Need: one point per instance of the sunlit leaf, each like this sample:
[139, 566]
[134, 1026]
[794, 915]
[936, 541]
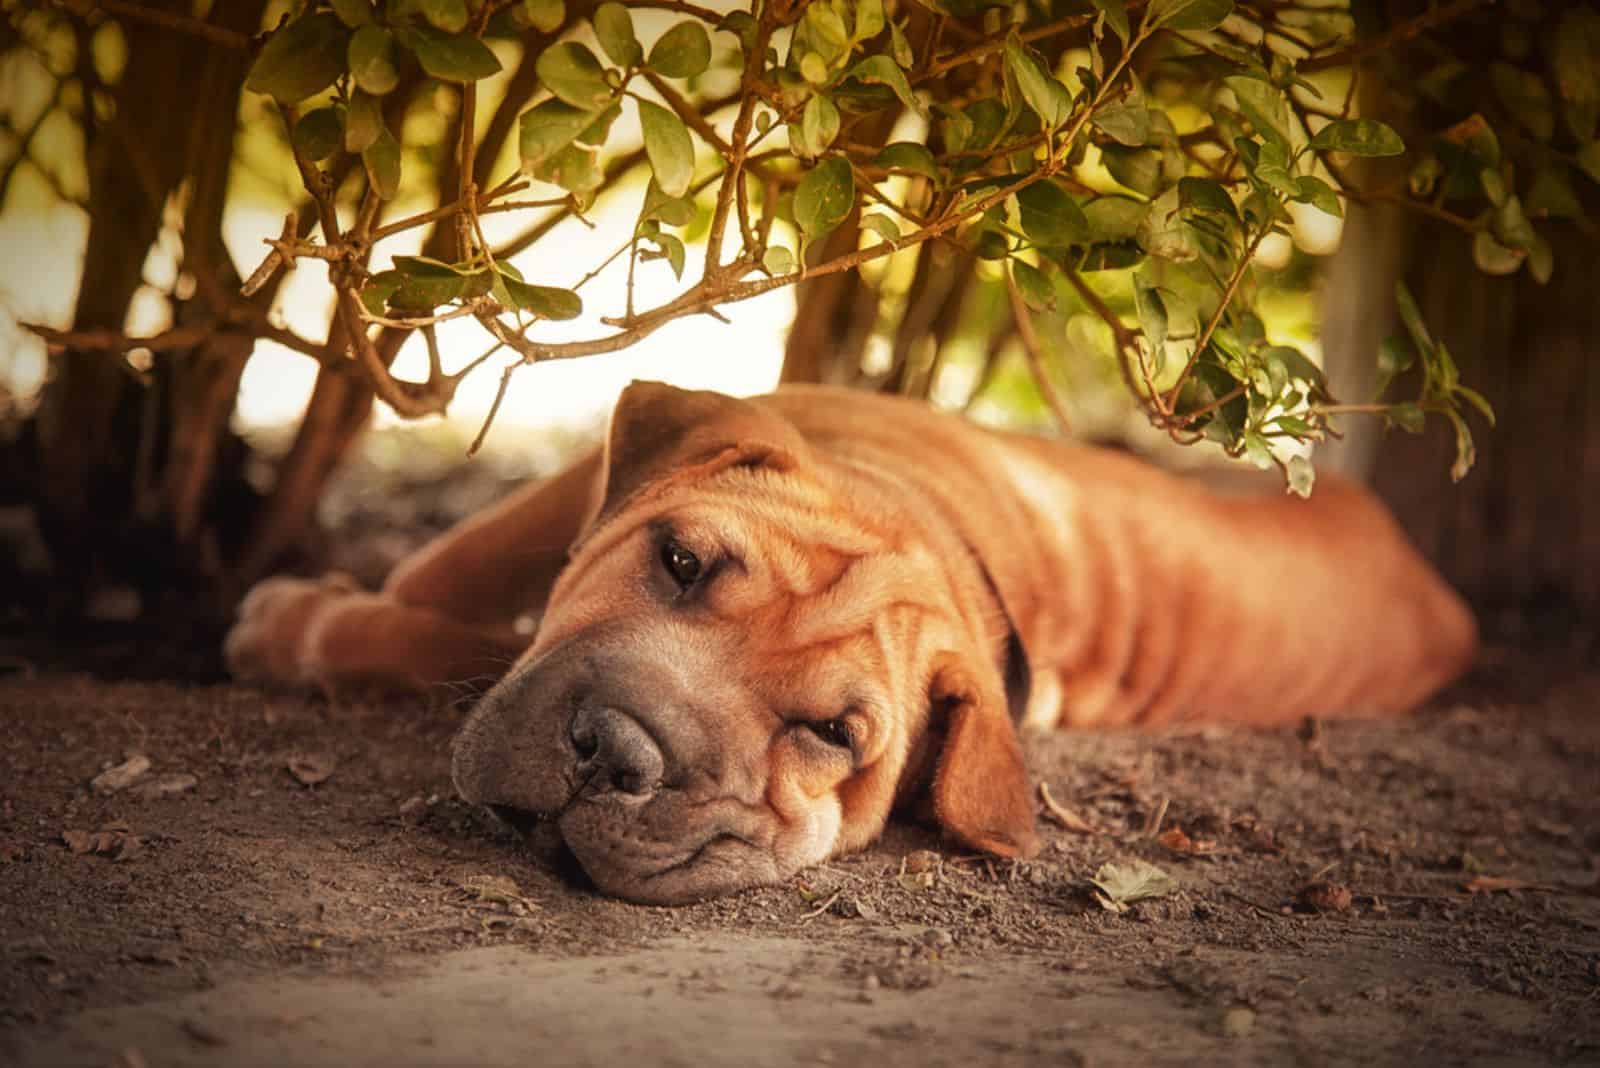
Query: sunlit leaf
[1264, 105]
[546, 16]
[301, 59]
[451, 57]
[1300, 474]
[824, 197]
[908, 156]
[1121, 885]
[682, 52]
[881, 225]
[1116, 13]
[353, 13]
[1047, 97]
[382, 162]
[363, 123]
[319, 133]
[1033, 285]
[667, 143]
[1189, 14]
[1492, 257]
[1050, 216]
[571, 72]
[613, 26]
[1127, 123]
[549, 128]
[819, 125]
[449, 16]
[881, 70]
[777, 260]
[1358, 137]
[371, 59]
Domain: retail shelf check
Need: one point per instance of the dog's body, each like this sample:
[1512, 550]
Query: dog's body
[783, 616]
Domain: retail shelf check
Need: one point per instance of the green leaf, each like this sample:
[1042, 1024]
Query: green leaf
[371, 58]
[777, 260]
[1152, 321]
[549, 128]
[1047, 97]
[1050, 216]
[1189, 14]
[547, 302]
[824, 197]
[1412, 318]
[819, 125]
[881, 70]
[1297, 366]
[667, 143]
[1358, 137]
[379, 288]
[1552, 197]
[382, 162]
[1541, 260]
[671, 249]
[1494, 186]
[1494, 258]
[1114, 218]
[1574, 48]
[881, 225]
[1300, 474]
[597, 131]
[1395, 357]
[1478, 401]
[1466, 451]
[682, 52]
[300, 60]
[613, 25]
[674, 211]
[869, 20]
[457, 57]
[448, 16]
[1264, 105]
[1163, 232]
[1127, 123]
[353, 13]
[319, 133]
[1318, 194]
[1407, 417]
[1525, 97]
[571, 72]
[363, 123]
[575, 169]
[1033, 285]
[1139, 169]
[908, 156]
[546, 16]
[899, 47]
[1116, 13]
[1208, 195]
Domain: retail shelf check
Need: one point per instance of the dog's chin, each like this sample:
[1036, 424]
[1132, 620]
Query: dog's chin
[693, 868]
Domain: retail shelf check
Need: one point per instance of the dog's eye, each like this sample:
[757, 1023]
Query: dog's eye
[681, 564]
[833, 731]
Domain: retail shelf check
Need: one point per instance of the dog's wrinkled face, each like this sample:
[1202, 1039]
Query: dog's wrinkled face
[741, 669]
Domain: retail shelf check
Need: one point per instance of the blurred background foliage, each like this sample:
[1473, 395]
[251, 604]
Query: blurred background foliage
[233, 233]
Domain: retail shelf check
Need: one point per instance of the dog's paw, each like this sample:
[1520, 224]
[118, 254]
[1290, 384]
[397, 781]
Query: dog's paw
[269, 641]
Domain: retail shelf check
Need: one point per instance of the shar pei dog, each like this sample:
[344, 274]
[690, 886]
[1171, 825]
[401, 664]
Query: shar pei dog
[738, 636]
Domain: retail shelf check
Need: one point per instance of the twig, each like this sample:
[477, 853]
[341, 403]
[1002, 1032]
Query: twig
[1063, 815]
[1035, 354]
[1171, 399]
[494, 407]
[820, 909]
[182, 23]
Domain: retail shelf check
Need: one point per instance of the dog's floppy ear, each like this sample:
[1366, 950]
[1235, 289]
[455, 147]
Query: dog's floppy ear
[659, 430]
[981, 794]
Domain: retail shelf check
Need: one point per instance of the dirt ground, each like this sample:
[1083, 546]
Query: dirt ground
[291, 881]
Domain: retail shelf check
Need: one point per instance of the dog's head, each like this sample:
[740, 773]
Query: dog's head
[746, 664]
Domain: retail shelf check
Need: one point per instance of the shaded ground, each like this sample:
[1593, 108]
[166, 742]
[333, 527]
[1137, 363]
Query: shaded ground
[369, 918]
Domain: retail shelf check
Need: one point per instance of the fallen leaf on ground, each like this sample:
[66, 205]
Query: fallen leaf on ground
[496, 890]
[312, 768]
[1062, 815]
[1490, 884]
[1120, 885]
[1325, 896]
[122, 776]
[1177, 840]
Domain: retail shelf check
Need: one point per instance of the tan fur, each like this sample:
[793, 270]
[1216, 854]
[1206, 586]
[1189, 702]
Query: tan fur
[886, 564]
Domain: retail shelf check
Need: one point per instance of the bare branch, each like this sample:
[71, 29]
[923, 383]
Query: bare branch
[217, 35]
[1032, 349]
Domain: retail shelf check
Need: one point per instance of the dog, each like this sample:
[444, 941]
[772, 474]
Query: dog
[764, 625]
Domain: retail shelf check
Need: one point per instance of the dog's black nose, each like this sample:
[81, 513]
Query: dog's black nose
[615, 752]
